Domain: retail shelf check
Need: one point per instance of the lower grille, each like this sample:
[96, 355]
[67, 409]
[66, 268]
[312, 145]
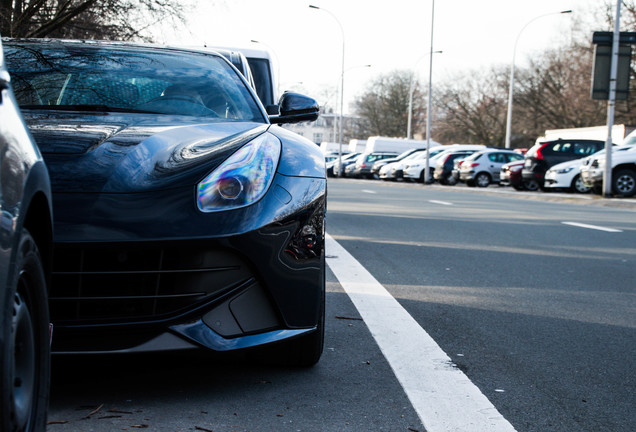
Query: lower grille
[106, 285]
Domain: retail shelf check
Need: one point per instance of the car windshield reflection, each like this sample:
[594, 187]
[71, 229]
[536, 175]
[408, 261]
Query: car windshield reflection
[130, 80]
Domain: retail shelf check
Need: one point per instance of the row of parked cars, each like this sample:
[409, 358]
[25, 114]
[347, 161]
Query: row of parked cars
[562, 164]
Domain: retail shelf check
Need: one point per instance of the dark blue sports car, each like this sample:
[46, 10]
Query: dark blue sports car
[183, 216]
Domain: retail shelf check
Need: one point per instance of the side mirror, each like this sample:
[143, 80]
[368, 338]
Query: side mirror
[294, 108]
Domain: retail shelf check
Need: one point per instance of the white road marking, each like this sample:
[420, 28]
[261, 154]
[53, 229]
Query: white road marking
[594, 227]
[368, 191]
[443, 397]
[441, 202]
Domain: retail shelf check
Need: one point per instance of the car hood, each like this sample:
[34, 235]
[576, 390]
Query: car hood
[115, 153]
[568, 164]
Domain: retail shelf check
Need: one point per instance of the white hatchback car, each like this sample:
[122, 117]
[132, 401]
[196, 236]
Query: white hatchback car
[566, 175]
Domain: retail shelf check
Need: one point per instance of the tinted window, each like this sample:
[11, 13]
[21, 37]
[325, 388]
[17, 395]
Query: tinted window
[497, 157]
[120, 78]
[584, 149]
[262, 80]
[514, 157]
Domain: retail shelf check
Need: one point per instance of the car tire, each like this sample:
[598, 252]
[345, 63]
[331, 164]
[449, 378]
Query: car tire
[624, 182]
[578, 186]
[482, 180]
[518, 187]
[450, 180]
[531, 185]
[25, 345]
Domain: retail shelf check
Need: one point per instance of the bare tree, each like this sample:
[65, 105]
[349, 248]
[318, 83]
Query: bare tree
[471, 108]
[383, 106]
[554, 92]
[86, 19]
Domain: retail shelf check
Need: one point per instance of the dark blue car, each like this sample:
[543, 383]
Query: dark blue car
[185, 218]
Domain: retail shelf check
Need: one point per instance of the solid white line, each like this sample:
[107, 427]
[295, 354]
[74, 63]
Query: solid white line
[368, 191]
[443, 397]
[594, 227]
[440, 202]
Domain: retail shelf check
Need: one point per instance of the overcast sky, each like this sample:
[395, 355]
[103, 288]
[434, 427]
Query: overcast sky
[387, 35]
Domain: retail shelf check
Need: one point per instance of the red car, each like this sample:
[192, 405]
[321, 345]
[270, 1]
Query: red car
[510, 175]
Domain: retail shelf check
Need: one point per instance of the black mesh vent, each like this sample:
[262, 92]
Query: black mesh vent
[94, 285]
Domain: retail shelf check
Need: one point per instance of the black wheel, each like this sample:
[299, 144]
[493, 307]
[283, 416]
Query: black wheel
[449, 180]
[578, 185]
[624, 182]
[482, 179]
[518, 187]
[531, 185]
[25, 345]
[470, 183]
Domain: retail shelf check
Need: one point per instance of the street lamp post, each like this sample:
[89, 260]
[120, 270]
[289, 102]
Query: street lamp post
[430, 97]
[411, 91]
[512, 72]
[341, 88]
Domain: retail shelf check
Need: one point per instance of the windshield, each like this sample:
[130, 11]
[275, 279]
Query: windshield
[119, 78]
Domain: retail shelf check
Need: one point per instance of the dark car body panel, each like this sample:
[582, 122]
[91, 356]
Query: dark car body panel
[26, 228]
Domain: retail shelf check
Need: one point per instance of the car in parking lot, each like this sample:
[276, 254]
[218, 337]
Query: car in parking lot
[623, 171]
[377, 165]
[395, 170]
[345, 160]
[445, 164]
[567, 175]
[26, 229]
[510, 175]
[361, 168]
[484, 167]
[545, 154]
[414, 170]
[185, 218]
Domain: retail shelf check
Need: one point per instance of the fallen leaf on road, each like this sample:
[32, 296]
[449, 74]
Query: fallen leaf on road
[52, 422]
[95, 411]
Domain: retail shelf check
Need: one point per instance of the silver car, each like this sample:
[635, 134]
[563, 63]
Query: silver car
[483, 167]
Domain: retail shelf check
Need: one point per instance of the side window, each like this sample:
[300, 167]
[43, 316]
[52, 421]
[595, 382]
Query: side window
[583, 149]
[514, 157]
[566, 147]
[493, 157]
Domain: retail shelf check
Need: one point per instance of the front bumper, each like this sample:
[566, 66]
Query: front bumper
[170, 277]
[592, 177]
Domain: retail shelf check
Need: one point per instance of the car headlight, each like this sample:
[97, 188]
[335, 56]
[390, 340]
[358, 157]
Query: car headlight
[243, 178]
[563, 170]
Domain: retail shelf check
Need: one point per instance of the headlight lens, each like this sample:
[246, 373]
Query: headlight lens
[243, 178]
[564, 170]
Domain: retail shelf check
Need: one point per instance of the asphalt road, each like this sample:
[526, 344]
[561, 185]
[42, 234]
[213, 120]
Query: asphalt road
[539, 315]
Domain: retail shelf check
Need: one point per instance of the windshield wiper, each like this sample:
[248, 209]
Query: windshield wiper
[91, 108]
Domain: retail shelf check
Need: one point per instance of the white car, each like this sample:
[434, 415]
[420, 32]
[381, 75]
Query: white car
[395, 170]
[414, 170]
[567, 175]
[623, 171]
